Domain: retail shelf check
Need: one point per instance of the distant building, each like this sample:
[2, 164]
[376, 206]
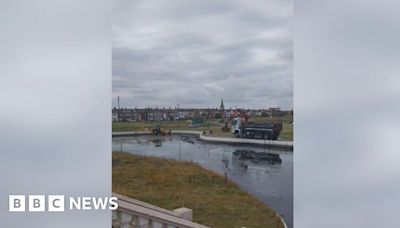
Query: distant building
[222, 109]
[114, 115]
[168, 114]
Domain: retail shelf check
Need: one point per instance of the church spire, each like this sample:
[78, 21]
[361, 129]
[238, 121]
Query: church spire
[222, 105]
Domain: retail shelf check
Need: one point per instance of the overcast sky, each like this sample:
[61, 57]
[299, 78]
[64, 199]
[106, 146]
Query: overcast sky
[194, 53]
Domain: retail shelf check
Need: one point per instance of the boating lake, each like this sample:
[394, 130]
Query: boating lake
[271, 183]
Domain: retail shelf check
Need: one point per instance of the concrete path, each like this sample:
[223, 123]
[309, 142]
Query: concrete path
[270, 143]
[212, 139]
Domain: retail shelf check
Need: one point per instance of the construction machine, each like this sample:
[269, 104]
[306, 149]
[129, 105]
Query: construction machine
[242, 128]
[236, 114]
[157, 130]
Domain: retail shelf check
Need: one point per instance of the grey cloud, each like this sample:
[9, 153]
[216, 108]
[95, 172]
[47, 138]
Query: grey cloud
[195, 52]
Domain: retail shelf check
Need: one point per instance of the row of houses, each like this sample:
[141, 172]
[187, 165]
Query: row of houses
[163, 114]
[148, 114]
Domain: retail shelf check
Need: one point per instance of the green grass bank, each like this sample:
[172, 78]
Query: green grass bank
[172, 184]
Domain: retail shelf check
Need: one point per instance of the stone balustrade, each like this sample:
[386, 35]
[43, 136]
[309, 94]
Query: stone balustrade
[133, 213]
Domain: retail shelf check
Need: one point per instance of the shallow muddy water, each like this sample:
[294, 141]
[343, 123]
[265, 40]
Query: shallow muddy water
[271, 183]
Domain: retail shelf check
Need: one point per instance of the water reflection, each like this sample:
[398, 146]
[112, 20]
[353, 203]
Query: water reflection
[270, 182]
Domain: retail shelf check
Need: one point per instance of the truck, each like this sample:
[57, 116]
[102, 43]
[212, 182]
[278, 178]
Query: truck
[241, 127]
[268, 131]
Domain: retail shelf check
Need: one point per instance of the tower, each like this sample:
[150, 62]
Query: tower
[118, 103]
[222, 108]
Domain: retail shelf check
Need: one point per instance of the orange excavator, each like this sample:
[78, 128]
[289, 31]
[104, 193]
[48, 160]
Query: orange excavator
[235, 114]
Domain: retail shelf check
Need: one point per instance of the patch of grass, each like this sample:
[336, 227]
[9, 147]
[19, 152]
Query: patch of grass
[172, 184]
[287, 132]
[214, 125]
[142, 125]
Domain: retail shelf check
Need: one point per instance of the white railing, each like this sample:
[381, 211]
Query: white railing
[133, 213]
